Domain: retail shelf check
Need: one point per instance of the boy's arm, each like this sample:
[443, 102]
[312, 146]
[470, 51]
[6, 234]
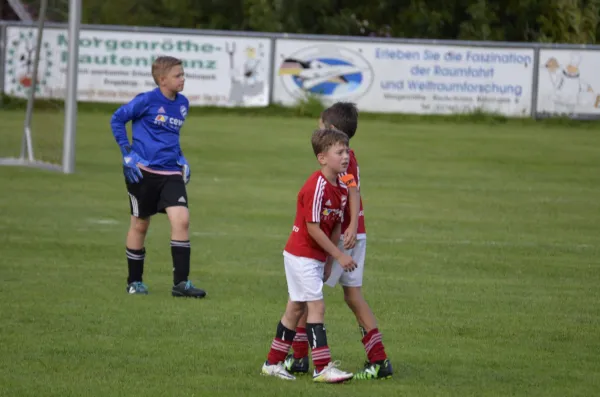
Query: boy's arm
[354, 204]
[312, 205]
[186, 104]
[123, 115]
[181, 160]
[120, 118]
[324, 241]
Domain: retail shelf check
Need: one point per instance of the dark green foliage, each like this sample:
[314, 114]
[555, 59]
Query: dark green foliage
[555, 21]
[558, 21]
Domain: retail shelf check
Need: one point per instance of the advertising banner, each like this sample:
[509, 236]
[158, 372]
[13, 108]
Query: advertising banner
[116, 66]
[405, 78]
[569, 83]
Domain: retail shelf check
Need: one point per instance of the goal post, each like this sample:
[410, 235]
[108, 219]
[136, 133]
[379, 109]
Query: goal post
[71, 97]
[27, 143]
[32, 133]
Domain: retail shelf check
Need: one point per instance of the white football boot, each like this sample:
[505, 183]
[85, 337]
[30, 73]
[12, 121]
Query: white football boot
[277, 370]
[330, 374]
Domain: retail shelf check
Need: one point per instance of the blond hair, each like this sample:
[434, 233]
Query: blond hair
[162, 65]
[323, 139]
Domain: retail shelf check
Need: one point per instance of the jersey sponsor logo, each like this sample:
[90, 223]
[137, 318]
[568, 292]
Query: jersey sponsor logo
[175, 122]
[331, 211]
[183, 111]
[162, 119]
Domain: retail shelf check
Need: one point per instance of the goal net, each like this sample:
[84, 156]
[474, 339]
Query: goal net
[38, 107]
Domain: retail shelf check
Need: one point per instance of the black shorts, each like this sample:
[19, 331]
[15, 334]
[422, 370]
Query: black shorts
[154, 193]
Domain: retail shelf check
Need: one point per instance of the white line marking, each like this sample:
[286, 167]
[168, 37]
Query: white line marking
[103, 221]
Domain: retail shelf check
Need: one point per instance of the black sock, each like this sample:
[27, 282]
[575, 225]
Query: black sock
[284, 333]
[135, 263]
[317, 336]
[180, 251]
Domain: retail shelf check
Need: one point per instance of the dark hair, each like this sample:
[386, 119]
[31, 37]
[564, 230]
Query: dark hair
[323, 139]
[342, 116]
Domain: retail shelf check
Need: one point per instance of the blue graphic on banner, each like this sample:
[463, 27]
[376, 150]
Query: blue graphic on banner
[330, 71]
[351, 81]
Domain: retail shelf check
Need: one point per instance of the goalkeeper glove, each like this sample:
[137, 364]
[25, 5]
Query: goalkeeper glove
[185, 169]
[130, 165]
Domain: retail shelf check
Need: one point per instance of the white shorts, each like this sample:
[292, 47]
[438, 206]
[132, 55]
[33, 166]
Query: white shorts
[354, 278]
[304, 278]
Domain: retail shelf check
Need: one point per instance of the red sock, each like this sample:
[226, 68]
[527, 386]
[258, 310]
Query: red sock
[321, 357]
[374, 346]
[300, 344]
[279, 350]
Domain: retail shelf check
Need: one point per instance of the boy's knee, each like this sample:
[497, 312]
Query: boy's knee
[297, 310]
[181, 224]
[316, 308]
[293, 313]
[179, 218]
[139, 225]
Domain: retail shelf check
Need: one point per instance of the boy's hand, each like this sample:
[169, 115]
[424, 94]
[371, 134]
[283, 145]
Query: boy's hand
[130, 166]
[350, 237]
[185, 169]
[347, 262]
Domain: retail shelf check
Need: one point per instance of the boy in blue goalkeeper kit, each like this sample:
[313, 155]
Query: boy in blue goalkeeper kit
[156, 173]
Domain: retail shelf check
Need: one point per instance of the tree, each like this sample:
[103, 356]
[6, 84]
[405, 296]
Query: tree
[570, 21]
[558, 21]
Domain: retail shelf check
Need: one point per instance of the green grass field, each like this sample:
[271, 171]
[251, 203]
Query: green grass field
[482, 266]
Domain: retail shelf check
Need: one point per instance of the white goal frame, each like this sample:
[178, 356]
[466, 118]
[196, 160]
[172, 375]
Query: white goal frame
[27, 157]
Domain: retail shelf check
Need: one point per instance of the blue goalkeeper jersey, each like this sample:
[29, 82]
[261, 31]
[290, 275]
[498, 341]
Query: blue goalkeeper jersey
[156, 122]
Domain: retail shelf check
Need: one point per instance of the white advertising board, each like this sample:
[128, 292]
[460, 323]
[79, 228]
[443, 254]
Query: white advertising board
[405, 78]
[116, 66]
[569, 82]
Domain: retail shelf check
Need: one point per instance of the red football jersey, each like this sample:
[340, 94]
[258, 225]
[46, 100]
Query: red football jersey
[353, 170]
[321, 202]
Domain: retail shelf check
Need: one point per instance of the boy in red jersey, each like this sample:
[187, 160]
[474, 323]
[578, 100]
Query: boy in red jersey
[343, 116]
[317, 229]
